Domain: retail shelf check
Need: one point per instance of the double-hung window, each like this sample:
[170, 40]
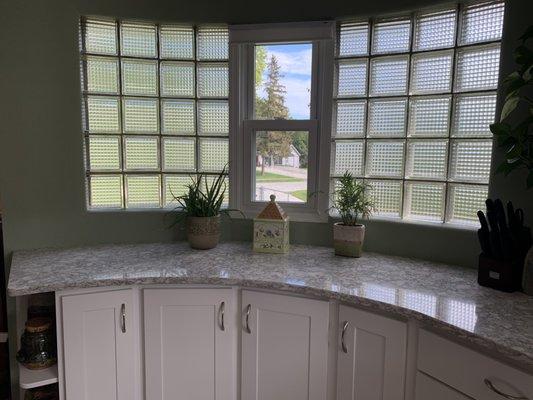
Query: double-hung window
[155, 110]
[414, 99]
[281, 81]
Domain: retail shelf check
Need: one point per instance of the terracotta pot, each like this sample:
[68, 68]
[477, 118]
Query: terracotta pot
[348, 240]
[203, 232]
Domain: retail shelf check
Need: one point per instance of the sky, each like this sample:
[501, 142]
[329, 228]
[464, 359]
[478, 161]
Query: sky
[295, 61]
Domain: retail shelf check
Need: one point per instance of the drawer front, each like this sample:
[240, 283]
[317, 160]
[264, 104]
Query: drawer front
[466, 370]
[429, 388]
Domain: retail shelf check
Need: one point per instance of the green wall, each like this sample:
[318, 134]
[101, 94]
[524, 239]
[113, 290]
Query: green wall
[41, 167]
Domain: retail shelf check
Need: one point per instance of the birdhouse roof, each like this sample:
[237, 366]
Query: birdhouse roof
[272, 210]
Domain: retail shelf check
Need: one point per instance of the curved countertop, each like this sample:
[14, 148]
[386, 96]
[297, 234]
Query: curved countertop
[443, 297]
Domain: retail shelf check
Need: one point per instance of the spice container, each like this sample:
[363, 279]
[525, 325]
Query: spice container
[38, 344]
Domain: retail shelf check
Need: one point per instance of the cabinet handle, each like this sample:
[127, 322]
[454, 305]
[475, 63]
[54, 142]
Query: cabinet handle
[123, 318]
[221, 310]
[343, 345]
[491, 386]
[247, 319]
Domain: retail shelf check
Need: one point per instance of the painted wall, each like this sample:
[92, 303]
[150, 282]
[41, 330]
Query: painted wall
[41, 167]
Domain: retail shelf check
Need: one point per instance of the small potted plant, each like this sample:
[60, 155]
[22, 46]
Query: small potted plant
[352, 202]
[200, 208]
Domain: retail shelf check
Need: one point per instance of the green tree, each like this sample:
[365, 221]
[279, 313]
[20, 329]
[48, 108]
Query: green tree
[273, 143]
[260, 65]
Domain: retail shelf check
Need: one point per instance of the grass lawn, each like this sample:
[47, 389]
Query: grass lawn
[270, 177]
[301, 194]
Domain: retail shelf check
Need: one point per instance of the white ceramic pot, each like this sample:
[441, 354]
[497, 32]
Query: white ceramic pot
[348, 240]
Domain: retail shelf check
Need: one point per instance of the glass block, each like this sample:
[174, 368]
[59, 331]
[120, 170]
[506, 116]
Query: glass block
[473, 114]
[482, 22]
[387, 197]
[429, 116]
[213, 118]
[141, 153]
[213, 80]
[348, 156]
[102, 75]
[105, 191]
[140, 115]
[100, 36]
[424, 201]
[178, 117]
[351, 78]
[464, 201]
[176, 41]
[386, 118]
[104, 153]
[388, 76]
[426, 159]
[209, 179]
[138, 40]
[470, 160]
[179, 154]
[350, 118]
[477, 68]
[139, 77]
[385, 158]
[435, 30]
[353, 39]
[103, 114]
[391, 36]
[173, 186]
[143, 191]
[177, 79]
[212, 43]
[213, 154]
[431, 72]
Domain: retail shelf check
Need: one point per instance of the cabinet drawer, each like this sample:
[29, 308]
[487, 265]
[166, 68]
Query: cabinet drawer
[429, 388]
[466, 370]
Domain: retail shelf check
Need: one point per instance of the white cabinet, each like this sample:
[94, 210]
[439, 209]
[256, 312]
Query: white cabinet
[100, 348]
[371, 356]
[429, 388]
[284, 347]
[190, 347]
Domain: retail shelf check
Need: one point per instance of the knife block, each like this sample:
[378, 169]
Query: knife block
[499, 274]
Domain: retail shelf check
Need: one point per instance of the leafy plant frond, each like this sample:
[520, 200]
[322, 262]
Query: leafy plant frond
[352, 200]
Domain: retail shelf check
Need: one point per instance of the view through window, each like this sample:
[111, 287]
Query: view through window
[155, 109]
[415, 96]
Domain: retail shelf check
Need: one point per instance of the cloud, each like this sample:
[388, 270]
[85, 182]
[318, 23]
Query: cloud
[293, 62]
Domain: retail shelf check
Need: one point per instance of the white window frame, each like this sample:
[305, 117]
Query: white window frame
[243, 127]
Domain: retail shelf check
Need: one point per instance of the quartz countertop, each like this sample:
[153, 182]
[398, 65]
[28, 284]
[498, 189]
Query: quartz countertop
[442, 297]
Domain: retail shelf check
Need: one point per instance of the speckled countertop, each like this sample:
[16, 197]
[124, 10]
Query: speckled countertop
[442, 297]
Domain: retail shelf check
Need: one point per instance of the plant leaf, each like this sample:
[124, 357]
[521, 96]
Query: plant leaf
[504, 168]
[523, 55]
[509, 107]
[528, 74]
[500, 128]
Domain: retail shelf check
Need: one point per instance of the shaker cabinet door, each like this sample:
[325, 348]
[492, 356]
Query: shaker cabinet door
[190, 346]
[284, 347]
[99, 346]
[371, 358]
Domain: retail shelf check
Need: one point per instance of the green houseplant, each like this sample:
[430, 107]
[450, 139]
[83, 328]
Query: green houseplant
[200, 207]
[352, 202]
[513, 132]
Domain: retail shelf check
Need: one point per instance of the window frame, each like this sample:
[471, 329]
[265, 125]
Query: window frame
[243, 126]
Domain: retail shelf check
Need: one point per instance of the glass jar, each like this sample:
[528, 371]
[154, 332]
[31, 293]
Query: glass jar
[38, 344]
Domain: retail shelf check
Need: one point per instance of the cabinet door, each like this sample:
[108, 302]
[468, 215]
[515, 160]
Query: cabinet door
[189, 344]
[371, 363]
[285, 349]
[99, 346]
[429, 388]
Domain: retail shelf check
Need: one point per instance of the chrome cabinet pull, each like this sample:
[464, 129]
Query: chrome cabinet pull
[221, 310]
[491, 386]
[123, 318]
[247, 323]
[343, 345]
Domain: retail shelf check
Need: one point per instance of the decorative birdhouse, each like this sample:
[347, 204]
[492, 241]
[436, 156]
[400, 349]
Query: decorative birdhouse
[271, 229]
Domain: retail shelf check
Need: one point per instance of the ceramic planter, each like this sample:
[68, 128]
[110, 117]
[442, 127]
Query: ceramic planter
[348, 240]
[203, 232]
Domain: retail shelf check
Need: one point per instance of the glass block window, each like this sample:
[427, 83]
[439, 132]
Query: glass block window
[155, 109]
[415, 96]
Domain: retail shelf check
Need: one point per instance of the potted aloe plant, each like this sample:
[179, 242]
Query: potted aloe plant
[200, 207]
[352, 202]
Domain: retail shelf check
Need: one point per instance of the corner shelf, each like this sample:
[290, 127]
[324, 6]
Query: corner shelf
[29, 379]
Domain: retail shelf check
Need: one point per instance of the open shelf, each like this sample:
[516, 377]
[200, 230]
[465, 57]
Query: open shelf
[29, 379]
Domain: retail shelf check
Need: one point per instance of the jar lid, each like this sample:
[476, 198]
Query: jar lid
[39, 324]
